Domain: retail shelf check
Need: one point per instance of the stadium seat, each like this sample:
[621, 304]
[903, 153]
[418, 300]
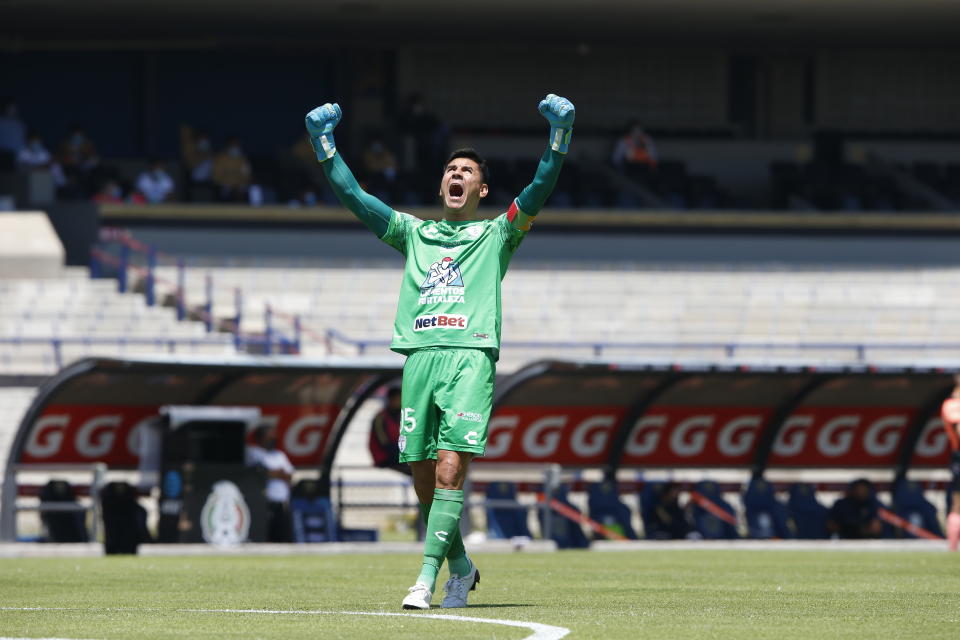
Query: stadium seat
[566, 533]
[887, 529]
[607, 509]
[505, 522]
[649, 498]
[910, 504]
[124, 519]
[808, 515]
[708, 525]
[766, 515]
[312, 514]
[655, 528]
[62, 526]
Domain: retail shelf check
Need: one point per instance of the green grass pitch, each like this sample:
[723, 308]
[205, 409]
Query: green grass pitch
[672, 595]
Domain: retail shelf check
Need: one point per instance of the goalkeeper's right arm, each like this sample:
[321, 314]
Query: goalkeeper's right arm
[371, 211]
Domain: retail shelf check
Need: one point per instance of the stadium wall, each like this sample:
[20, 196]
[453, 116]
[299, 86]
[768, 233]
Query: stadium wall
[652, 244]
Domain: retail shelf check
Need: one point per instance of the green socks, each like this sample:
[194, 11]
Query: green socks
[457, 554]
[443, 527]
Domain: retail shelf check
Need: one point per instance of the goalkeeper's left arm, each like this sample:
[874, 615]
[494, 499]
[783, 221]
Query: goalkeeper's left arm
[560, 113]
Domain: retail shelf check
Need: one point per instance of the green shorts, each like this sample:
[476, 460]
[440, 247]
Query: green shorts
[447, 397]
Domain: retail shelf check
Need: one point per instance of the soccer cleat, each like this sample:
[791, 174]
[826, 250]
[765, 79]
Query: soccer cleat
[418, 597]
[457, 589]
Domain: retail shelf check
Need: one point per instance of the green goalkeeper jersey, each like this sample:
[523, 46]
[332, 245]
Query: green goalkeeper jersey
[450, 294]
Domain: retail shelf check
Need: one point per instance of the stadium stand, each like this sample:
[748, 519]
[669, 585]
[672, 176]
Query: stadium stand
[838, 313]
[48, 322]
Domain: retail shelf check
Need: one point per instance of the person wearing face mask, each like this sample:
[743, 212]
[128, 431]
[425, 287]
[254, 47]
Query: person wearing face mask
[77, 152]
[110, 193]
[155, 184]
[279, 475]
[34, 156]
[231, 172]
[197, 155]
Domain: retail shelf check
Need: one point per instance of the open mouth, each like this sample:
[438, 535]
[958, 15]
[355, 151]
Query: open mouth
[455, 190]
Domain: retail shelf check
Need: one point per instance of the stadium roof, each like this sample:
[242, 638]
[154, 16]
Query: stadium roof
[797, 21]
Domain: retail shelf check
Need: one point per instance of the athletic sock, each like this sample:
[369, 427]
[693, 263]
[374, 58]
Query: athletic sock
[443, 526]
[953, 530]
[457, 554]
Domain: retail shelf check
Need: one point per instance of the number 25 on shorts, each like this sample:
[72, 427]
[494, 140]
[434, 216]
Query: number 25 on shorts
[407, 418]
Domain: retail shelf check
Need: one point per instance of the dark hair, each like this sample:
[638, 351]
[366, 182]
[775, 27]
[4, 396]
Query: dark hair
[260, 433]
[471, 154]
[393, 392]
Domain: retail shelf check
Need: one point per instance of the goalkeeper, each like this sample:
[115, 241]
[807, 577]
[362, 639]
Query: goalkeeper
[448, 326]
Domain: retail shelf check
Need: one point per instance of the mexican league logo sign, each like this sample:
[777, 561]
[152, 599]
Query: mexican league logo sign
[225, 518]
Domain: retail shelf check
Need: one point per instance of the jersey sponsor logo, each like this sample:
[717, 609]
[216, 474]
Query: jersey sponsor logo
[402, 443]
[440, 321]
[471, 438]
[470, 416]
[481, 336]
[443, 283]
[441, 535]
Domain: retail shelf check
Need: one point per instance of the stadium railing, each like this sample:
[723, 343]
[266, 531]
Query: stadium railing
[168, 345]
[121, 263]
[732, 349]
[90, 491]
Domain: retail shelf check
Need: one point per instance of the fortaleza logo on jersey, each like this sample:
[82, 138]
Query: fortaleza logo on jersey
[440, 321]
[443, 282]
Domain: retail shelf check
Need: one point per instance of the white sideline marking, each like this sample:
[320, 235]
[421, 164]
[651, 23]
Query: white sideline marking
[540, 631]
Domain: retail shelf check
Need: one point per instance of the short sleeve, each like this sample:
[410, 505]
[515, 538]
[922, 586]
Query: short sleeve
[511, 236]
[398, 230]
[286, 464]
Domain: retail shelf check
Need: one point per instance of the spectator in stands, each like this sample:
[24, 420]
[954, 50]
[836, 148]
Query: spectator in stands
[669, 520]
[427, 136]
[34, 154]
[380, 167]
[635, 149]
[155, 184]
[12, 130]
[279, 476]
[78, 158]
[197, 155]
[306, 184]
[77, 152]
[231, 172]
[855, 515]
[385, 435]
[109, 193]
